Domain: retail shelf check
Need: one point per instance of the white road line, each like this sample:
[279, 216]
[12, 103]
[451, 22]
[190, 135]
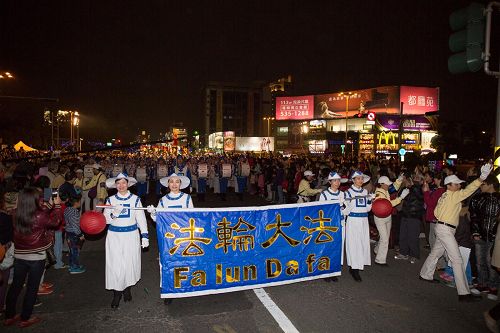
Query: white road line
[278, 315]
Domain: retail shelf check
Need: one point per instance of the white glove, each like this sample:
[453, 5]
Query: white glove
[485, 171]
[117, 211]
[345, 211]
[144, 242]
[371, 196]
[151, 209]
[404, 193]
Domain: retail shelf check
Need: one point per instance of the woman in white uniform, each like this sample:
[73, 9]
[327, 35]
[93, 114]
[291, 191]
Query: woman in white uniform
[337, 196]
[173, 199]
[357, 242]
[123, 242]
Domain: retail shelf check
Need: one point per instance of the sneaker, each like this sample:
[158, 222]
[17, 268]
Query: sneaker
[451, 284]
[33, 320]
[44, 291]
[446, 277]
[492, 295]
[475, 291]
[47, 285]
[401, 257]
[37, 302]
[413, 260]
[490, 322]
[77, 270]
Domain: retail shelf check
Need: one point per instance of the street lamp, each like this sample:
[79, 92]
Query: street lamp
[347, 95]
[6, 76]
[268, 125]
[76, 123]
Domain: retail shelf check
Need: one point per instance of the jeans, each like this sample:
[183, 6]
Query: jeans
[3, 286]
[487, 276]
[74, 250]
[58, 247]
[33, 269]
[281, 197]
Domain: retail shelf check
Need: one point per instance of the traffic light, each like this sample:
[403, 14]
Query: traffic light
[468, 40]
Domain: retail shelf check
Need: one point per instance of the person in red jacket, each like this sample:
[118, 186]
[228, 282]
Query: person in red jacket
[32, 219]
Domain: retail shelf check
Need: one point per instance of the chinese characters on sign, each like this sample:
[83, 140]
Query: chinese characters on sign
[294, 108]
[419, 100]
[204, 252]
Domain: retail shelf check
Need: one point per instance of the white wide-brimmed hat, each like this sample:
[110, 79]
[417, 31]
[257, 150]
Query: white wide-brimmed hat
[358, 173]
[111, 182]
[308, 173]
[333, 175]
[184, 180]
[453, 180]
[384, 180]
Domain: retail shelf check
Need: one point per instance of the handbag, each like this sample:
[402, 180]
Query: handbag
[93, 192]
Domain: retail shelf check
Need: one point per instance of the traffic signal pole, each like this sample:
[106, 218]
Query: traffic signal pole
[496, 74]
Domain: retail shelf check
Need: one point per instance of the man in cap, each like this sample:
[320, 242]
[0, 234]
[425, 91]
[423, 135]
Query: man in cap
[98, 185]
[305, 192]
[384, 224]
[358, 204]
[447, 213]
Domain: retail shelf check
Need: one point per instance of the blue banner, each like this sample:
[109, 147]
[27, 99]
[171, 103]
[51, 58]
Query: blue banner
[207, 251]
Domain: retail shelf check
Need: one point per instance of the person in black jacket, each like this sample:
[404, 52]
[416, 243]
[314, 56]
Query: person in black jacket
[484, 212]
[411, 217]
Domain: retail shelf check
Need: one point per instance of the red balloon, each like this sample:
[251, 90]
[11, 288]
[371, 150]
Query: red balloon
[92, 223]
[382, 208]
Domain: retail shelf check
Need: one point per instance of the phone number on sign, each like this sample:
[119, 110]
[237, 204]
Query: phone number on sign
[294, 113]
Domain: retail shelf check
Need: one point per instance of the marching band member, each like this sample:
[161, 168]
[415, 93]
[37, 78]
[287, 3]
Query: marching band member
[174, 198]
[357, 241]
[242, 173]
[384, 223]
[334, 194]
[161, 172]
[141, 174]
[225, 172]
[123, 244]
[182, 169]
[202, 171]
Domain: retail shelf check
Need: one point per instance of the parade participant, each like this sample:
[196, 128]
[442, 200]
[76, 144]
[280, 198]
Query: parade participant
[141, 174]
[225, 172]
[31, 221]
[305, 192]
[174, 198]
[384, 224]
[242, 173]
[181, 168]
[202, 173]
[334, 194]
[357, 241]
[161, 172]
[447, 213]
[96, 187]
[123, 244]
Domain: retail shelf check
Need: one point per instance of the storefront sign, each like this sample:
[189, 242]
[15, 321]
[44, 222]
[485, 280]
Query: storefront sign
[411, 123]
[255, 143]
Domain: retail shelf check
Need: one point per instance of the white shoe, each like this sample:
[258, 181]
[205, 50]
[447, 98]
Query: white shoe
[401, 257]
[474, 291]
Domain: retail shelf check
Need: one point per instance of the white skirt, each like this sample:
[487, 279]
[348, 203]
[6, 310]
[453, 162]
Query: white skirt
[123, 259]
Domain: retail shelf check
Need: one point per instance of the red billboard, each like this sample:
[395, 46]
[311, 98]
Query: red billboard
[295, 108]
[336, 105]
[419, 100]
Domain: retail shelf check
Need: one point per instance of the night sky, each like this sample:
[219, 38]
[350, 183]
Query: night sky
[131, 65]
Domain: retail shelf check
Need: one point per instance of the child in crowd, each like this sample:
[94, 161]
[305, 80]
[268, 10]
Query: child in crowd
[74, 234]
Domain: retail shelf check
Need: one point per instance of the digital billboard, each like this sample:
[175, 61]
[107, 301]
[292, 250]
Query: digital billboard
[336, 105]
[295, 108]
[419, 100]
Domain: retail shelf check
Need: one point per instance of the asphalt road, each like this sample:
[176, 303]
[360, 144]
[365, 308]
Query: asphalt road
[390, 299]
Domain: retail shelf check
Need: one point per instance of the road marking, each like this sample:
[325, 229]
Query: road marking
[278, 315]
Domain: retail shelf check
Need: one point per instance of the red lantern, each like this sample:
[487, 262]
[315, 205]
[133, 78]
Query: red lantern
[382, 208]
[92, 223]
